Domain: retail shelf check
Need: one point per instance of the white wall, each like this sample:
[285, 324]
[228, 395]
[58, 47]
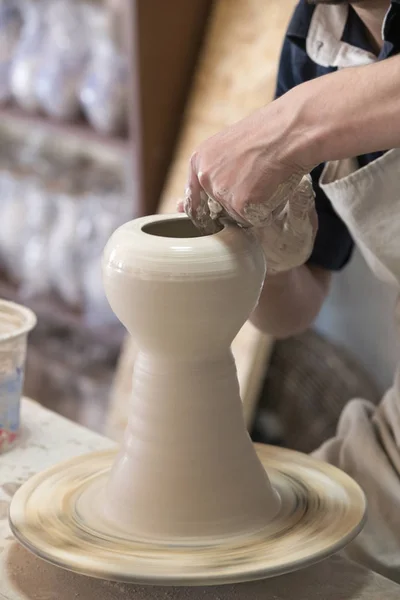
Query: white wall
[359, 314]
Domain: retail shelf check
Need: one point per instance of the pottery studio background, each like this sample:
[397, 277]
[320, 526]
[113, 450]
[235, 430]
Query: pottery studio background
[92, 95]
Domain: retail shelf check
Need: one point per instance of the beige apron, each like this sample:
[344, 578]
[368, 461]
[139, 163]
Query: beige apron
[367, 444]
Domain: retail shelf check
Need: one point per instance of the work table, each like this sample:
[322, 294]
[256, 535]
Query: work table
[47, 439]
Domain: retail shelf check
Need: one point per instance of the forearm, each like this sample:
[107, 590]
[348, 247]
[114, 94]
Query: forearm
[290, 301]
[347, 113]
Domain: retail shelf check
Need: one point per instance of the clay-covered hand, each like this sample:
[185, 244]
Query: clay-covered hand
[245, 174]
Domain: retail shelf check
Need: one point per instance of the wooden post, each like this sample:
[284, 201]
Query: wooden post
[163, 44]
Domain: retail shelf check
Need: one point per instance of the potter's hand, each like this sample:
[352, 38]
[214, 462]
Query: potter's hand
[244, 174]
[252, 170]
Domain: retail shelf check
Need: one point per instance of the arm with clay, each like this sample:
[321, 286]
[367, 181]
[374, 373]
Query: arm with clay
[253, 167]
[255, 173]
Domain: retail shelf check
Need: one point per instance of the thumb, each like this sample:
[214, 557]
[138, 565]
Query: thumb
[180, 206]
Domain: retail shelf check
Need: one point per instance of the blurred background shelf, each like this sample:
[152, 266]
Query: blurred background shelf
[64, 187]
[80, 129]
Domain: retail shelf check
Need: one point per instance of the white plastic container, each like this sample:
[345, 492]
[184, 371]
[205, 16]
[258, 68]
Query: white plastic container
[16, 322]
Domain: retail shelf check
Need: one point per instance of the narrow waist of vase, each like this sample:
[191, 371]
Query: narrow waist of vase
[189, 399]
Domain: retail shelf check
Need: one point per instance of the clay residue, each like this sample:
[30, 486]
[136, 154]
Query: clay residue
[214, 208]
[259, 214]
[206, 215]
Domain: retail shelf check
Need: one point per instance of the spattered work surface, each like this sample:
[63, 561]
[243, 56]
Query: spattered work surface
[47, 439]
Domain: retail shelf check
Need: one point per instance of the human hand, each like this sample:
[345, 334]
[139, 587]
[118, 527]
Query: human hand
[248, 173]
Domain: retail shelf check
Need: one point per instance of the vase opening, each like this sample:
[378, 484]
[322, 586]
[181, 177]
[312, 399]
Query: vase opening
[173, 228]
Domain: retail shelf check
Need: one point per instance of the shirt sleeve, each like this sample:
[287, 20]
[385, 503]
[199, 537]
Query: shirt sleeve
[391, 27]
[333, 244]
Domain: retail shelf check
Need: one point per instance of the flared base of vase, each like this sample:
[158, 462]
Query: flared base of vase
[322, 509]
[91, 508]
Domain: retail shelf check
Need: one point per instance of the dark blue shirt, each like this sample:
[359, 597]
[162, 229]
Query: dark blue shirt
[333, 244]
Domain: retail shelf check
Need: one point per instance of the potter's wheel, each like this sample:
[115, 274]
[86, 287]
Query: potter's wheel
[322, 509]
[186, 501]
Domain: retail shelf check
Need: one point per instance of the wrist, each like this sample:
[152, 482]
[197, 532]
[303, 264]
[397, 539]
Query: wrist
[280, 124]
[313, 133]
[308, 134]
[340, 115]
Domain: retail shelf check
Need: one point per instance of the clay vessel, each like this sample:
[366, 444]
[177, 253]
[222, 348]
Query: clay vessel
[187, 469]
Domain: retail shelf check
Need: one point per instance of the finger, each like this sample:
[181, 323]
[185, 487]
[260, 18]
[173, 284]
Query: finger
[303, 199]
[301, 207]
[180, 206]
[192, 192]
[200, 208]
[196, 201]
[197, 208]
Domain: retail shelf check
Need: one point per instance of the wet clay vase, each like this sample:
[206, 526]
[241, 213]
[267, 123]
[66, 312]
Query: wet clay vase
[187, 468]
